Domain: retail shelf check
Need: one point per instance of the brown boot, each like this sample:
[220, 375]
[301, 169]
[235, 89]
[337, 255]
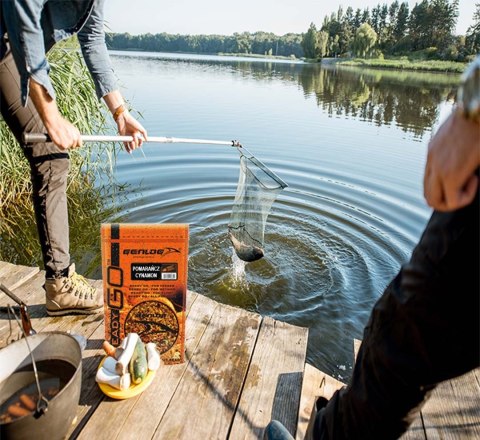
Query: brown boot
[72, 295]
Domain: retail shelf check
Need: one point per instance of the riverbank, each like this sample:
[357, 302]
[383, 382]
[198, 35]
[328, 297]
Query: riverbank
[400, 64]
[256, 55]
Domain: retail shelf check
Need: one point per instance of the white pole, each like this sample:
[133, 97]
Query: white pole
[41, 137]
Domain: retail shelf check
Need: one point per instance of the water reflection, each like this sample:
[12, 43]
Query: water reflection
[407, 99]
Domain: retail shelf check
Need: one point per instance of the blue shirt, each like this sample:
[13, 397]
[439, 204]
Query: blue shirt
[34, 26]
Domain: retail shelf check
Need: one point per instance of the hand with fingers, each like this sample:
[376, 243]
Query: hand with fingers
[63, 133]
[450, 180]
[129, 126]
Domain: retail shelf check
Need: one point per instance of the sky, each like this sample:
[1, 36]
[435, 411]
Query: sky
[225, 17]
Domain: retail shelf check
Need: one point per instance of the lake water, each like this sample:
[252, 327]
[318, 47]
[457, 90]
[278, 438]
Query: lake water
[351, 146]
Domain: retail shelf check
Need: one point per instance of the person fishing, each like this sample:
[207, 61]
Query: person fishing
[28, 30]
[425, 327]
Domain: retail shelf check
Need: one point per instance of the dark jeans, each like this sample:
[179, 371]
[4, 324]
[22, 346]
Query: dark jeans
[49, 168]
[423, 330]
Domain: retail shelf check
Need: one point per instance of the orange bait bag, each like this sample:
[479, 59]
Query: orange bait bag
[144, 271]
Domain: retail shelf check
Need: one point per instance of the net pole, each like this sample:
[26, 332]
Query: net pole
[30, 138]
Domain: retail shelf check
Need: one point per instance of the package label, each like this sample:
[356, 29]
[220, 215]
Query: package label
[144, 269]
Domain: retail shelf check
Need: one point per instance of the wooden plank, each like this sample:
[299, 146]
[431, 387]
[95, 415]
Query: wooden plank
[315, 384]
[4, 267]
[273, 385]
[130, 418]
[160, 393]
[135, 417]
[86, 325]
[13, 276]
[91, 396]
[416, 431]
[80, 324]
[453, 410]
[204, 403]
[32, 293]
[356, 347]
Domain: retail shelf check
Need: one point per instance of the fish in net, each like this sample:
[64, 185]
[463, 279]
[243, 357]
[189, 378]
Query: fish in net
[257, 189]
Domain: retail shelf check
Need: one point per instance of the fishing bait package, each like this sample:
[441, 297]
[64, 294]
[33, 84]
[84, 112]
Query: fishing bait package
[144, 271]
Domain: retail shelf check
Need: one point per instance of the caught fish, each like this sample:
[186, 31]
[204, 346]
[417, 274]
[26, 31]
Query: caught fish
[244, 251]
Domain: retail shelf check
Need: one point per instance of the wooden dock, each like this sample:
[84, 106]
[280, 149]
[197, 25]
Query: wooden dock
[242, 370]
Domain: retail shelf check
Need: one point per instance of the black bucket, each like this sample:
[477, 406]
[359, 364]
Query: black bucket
[58, 357]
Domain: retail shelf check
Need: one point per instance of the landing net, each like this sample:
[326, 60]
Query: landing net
[257, 189]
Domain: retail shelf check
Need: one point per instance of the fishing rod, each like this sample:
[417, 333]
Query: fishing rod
[31, 138]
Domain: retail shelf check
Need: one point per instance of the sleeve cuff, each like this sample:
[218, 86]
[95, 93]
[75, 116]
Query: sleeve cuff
[41, 77]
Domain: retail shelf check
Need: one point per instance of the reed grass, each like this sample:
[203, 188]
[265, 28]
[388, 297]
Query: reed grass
[78, 103]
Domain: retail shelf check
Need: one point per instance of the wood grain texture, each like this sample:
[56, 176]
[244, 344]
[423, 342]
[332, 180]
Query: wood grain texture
[453, 410]
[204, 403]
[241, 371]
[315, 384]
[273, 384]
[13, 276]
[115, 418]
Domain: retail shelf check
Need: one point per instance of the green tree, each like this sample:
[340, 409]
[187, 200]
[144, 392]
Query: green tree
[364, 41]
[322, 41]
[334, 45]
[357, 20]
[376, 18]
[444, 18]
[309, 42]
[401, 25]
[432, 23]
[347, 31]
[244, 43]
[383, 15]
[366, 16]
[472, 37]
[348, 17]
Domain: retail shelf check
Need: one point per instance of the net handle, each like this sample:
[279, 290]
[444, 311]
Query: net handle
[31, 138]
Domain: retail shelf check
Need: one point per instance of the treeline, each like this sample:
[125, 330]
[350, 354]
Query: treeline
[261, 43]
[385, 30]
[427, 29]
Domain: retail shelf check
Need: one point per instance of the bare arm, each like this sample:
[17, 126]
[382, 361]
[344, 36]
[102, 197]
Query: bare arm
[64, 134]
[126, 123]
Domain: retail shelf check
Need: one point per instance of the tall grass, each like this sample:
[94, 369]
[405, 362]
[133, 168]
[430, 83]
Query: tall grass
[78, 103]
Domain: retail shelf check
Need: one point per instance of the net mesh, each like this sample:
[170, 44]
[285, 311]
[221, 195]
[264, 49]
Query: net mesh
[257, 189]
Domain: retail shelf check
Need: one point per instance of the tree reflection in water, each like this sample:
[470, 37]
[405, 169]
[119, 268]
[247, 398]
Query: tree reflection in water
[409, 100]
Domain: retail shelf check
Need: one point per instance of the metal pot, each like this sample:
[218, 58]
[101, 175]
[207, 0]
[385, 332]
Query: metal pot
[49, 349]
